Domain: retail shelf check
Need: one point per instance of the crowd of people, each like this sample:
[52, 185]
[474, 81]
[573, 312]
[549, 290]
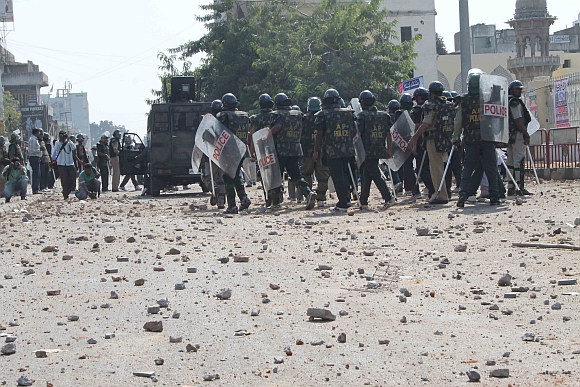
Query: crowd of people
[429, 137]
[444, 141]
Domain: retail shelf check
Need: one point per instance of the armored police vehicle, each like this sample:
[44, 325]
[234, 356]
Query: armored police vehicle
[165, 158]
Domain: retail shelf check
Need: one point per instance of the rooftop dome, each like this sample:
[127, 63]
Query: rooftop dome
[526, 9]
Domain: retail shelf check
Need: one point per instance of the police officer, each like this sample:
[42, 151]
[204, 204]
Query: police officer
[409, 178]
[260, 121]
[335, 126]
[374, 128]
[114, 151]
[519, 118]
[82, 157]
[238, 122]
[420, 96]
[286, 127]
[476, 151]
[14, 149]
[311, 166]
[219, 186]
[438, 122]
[103, 160]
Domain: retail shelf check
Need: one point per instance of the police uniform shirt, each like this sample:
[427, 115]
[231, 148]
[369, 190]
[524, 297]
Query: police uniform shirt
[516, 111]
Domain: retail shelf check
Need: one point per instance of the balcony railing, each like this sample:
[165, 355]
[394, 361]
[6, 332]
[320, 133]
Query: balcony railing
[553, 60]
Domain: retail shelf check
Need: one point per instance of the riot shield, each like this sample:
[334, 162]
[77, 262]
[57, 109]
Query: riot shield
[220, 145]
[401, 132]
[493, 97]
[196, 157]
[359, 148]
[267, 159]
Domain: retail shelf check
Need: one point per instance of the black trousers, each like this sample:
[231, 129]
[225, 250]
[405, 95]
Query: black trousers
[68, 179]
[340, 177]
[104, 171]
[482, 153]
[126, 180]
[46, 177]
[234, 186]
[370, 174]
[290, 164]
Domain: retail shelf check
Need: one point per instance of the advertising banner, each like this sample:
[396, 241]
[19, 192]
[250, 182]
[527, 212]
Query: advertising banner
[561, 103]
[410, 85]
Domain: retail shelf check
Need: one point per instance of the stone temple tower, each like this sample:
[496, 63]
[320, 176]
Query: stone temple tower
[532, 23]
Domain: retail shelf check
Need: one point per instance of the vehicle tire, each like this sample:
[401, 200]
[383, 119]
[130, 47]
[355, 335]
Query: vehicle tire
[156, 186]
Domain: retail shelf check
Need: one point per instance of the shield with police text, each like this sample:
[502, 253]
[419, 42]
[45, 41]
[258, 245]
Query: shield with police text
[359, 148]
[220, 145]
[493, 97]
[401, 133]
[267, 159]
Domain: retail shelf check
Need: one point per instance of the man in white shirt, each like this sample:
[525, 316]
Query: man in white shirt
[35, 148]
[64, 153]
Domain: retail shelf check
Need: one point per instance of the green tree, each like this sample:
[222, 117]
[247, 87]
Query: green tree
[440, 45]
[276, 48]
[96, 130]
[11, 115]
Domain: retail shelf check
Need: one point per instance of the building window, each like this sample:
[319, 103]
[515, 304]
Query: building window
[406, 34]
[567, 63]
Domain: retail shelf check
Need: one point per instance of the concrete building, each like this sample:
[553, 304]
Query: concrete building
[24, 81]
[70, 110]
[417, 18]
[532, 23]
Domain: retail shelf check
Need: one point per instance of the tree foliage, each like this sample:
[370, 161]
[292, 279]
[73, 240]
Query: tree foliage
[11, 115]
[440, 45]
[104, 126]
[275, 47]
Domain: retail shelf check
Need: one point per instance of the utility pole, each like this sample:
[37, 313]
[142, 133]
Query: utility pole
[465, 41]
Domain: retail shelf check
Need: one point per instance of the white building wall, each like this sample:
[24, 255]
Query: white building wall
[420, 16]
[77, 105]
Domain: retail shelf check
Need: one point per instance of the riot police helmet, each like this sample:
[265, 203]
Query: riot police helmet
[265, 101]
[2, 140]
[331, 96]
[230, 102]
[454, 94]
[473, 77]
[105, 135]
[282, 99]
[46, 136]
[14, 137]
[216, 106]
[116, 132]
[80, 137]
[366, 98]
[393, 106]
[295, 107]
[314, 104]
[447, 95]
[515, 85]
[406, 101]
[421, 92]
[436, 88]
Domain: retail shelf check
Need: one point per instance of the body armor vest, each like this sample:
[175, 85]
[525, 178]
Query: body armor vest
[261, 120]
[238, 123]
[288, 137]
[374, 127]
[308, 137]
[443, 124]
[338, 131]
[471, 118]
